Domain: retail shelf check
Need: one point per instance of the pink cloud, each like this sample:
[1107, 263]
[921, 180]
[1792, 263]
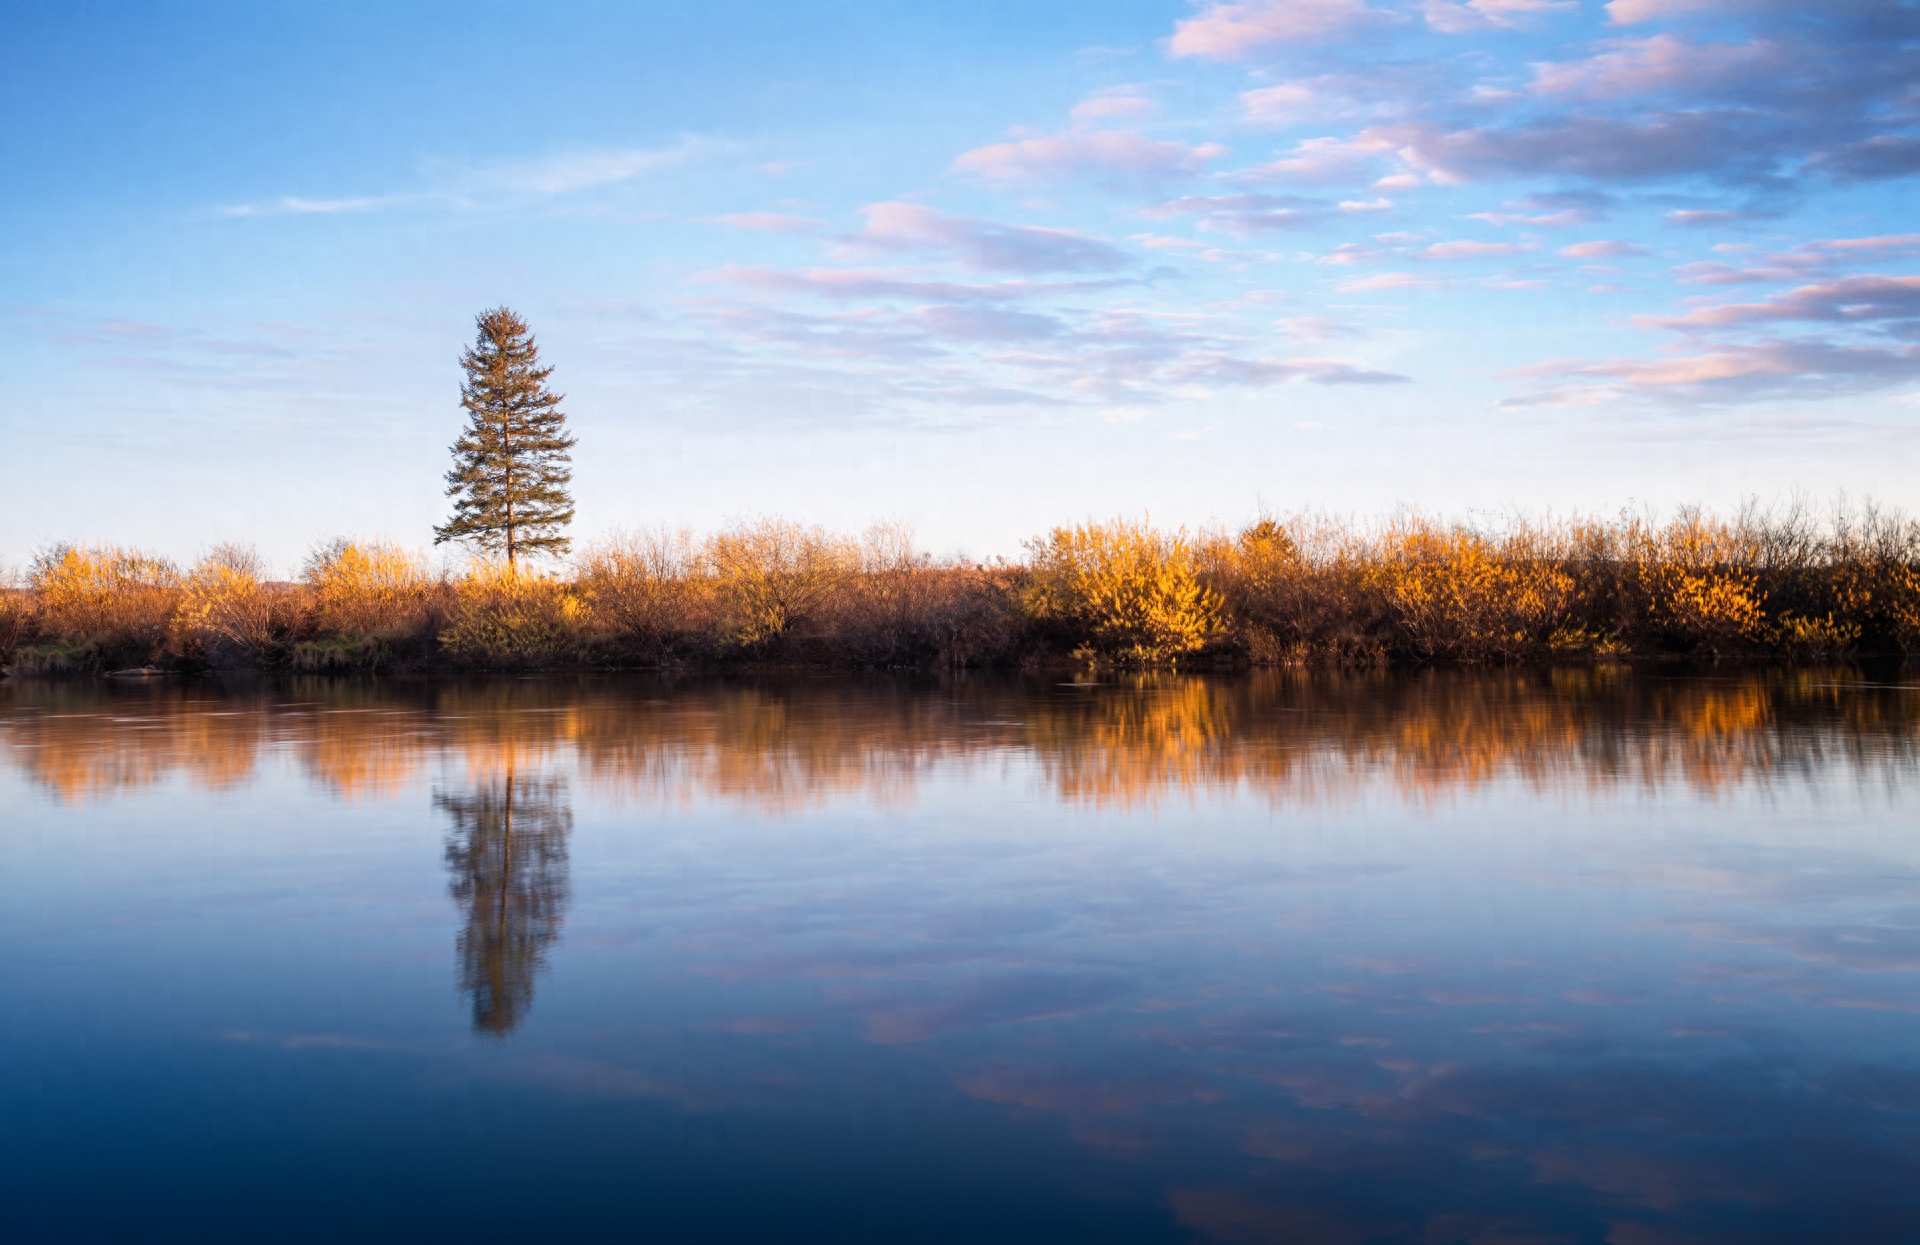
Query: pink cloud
[1390, 281]
[1634, 68]
[1108, 155]
[1452, 18]
[1319, 161]
[1235, 30]
[1114, 102]
[1633, 12]
[1602, 250]
[1472, 250]
[770, 222]
[1850, 299]
[984, 246]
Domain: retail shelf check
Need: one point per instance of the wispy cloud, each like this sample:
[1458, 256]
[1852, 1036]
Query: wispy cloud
[453, 185]
[979, 245]
[1246, 215]
[1115, 158]
[1233, 31]
[771, 222]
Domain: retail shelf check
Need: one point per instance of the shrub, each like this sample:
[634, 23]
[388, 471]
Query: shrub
[511, 615]
[369, 588]
[1134, 593]
[226, 607]
[16, 612]
[775, 577]
[1700, 591]
[121, 598]
[1458, 595]
[645, 593]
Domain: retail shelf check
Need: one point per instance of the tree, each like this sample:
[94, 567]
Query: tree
[510, 466]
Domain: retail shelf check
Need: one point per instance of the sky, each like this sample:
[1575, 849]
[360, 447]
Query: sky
[983, 267]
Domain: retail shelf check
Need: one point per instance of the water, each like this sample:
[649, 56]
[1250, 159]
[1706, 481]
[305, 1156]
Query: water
[1500, 958]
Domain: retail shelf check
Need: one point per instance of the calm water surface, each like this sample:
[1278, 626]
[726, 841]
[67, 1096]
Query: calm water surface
[1505, 958]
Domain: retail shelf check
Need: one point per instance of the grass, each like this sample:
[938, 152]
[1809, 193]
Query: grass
[1298, 590]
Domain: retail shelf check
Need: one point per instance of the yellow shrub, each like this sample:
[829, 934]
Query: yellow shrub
[773, 575]
[121, 596]
[1699, 588]
[365, 588]
[509, 614]
[224, 601]
[1456, 594]
[1136, 592]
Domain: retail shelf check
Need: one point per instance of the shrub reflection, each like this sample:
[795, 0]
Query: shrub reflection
[1292, 738]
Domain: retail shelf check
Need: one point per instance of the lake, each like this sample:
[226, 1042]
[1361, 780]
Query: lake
[1583, 956]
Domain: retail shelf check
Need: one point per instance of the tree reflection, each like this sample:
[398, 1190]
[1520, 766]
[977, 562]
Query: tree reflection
[508, 856]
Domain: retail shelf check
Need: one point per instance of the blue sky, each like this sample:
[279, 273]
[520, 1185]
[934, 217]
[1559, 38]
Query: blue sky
[984, 267]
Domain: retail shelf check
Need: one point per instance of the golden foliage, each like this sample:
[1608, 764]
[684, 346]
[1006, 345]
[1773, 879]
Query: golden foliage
[503, 612]
[122, 597]
[1135, 592]
[1700, 588]
[224, 601]
[773, 575]
[1299, 590]
[365, 588]
[1458, 595]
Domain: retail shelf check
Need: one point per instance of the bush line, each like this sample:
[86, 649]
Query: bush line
[1297, 590]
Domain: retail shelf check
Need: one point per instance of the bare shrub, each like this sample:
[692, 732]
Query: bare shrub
[647, 593]
[16, 611]
[774, 577]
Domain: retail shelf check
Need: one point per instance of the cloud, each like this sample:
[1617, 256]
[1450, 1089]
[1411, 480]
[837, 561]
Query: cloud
[572, 171]
[1729, 143]
[1797, 264]
[1850, 300]
[1665, 65]
[1246, 215]
[1607, 249]
[1471, 250]
[1318, 161]
[1286, 103]
[1316, 328]
[1390, 281]
[872, 283]
[1697, 218]
[982, 246]
[1114, 102]
[459, 185]
[1452, 18]
[1115, 158]
[980, 324]
[293, 205]
[1802, 369]
[1873, 159]
[771, 222]
[1233, 31]
[1632, 12]
[1260, 373]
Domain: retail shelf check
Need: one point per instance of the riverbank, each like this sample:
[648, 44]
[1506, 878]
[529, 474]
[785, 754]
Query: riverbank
[1300, 591]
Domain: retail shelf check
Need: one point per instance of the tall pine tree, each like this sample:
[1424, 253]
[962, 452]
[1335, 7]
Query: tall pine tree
[510, 466]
